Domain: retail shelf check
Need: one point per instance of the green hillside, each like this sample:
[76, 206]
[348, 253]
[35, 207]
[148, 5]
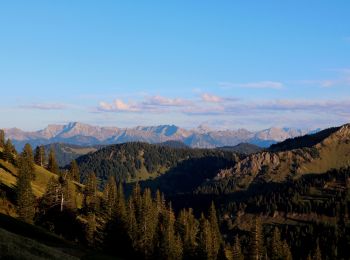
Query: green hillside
[131, 162]
[65, 153]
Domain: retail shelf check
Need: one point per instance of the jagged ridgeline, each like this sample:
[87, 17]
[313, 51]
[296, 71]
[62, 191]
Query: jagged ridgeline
[291, 159]
[132, 162]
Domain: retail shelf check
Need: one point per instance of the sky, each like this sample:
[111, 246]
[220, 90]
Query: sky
[223, 64]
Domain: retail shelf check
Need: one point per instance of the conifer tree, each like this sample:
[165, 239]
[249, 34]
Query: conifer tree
[27, 155]
[205, 247]
[287, 254]
[9, 151]
[39, 156]
[110, 197]
[188, 228]
[132, 223]
[148, 221]
[25, 196]
[120, 204]
[90, 193]
[2, 138]
[257, 242]
[74, 171]
[236, 250]
[276, 251]
[90, 231]
[170, 242]
[52, 163]
[215, 231]
[58, 194]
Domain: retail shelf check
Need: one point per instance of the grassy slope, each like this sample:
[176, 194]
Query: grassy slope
[8, 177]
[333, 154]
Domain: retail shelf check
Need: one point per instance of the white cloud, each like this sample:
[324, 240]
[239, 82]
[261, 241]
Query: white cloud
[256, 85]
[45, 106]
[164, 101]
[206, 97]
[117, 106]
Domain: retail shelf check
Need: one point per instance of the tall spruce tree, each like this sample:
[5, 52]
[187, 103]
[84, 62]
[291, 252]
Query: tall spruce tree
[27, 154]
[2, 138]
[39, 156]
[74, 171]
[215, 231]
[90, 202]
[52, 165]
[205, 243]
[147, 225]
[110, 197]
[188, 228]
[237, 250]
[276, 251]
[287, 254]
[9, 151]
[170, 243]
[256, 250]
[25, 196]
[90, 205]
[58, 195]
[90, 229]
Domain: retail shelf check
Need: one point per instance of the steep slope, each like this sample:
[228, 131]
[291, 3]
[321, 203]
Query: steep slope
[316, 153]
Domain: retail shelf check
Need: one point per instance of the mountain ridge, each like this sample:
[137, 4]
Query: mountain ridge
[310, 154]
[202, 137]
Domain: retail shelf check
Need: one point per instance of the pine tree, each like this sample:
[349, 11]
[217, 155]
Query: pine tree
[27, 154]
[25, 196]
[188, 228]
[132, 223]
[110, 197]
[287, 254]
[257, 242]
[90, 231]
[52, 163]
[215, 231]
[147, 224]
[237, 250]
[120, 204]
[170, 242]
[276, 251]
[74, 171]
[58, 194]
[2, 138]
[39, 156]
[205, 247]
[8, 153]
[90, 193]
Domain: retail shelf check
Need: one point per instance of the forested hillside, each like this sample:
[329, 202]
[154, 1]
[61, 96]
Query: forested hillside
[132, 162]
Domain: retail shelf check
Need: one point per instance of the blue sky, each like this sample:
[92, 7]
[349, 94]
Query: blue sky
[226, 64]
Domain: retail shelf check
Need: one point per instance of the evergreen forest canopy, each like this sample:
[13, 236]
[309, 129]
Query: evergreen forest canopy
[141, 201]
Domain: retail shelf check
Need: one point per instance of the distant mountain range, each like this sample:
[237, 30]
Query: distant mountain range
[88, 135]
